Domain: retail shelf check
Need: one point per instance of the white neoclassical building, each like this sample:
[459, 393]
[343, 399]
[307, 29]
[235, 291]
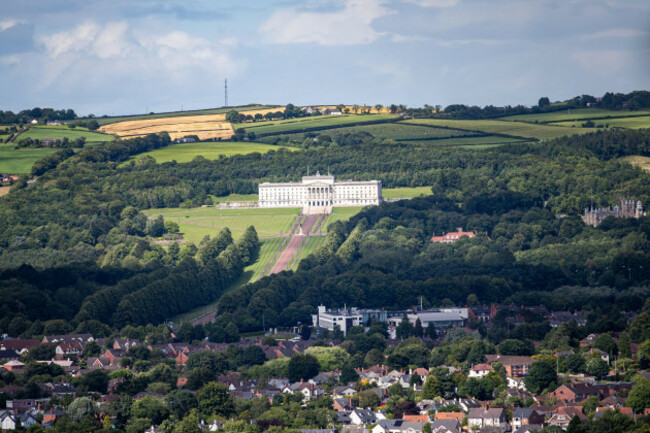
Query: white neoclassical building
[319, 194]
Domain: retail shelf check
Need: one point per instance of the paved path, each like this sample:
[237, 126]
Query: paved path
[292, 247]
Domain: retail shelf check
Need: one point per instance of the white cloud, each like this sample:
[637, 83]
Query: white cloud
[434, 3]
[615, 33]
[350, 26]
[7, 24]
[76, 39]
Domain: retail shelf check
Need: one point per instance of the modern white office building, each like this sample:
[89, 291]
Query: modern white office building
[319, 194]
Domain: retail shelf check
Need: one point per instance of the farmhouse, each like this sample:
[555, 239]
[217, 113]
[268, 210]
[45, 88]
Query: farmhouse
[453, 236]
[319, 194]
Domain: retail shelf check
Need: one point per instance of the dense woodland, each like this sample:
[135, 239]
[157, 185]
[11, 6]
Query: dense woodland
[80, 222]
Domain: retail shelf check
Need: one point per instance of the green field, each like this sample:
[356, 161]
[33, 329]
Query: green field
[473, 142]
[406, 192]
[516, 129]
[296, 125]
[638, 161]
[197, 222]
[313, 242]
[235, 197]
[18, 161]
[106, 120]
[59, 132]
[186, 152]
[634, 122]
[574, 114]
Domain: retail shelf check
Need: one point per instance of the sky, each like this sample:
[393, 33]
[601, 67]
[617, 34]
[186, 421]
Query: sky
[127, 56]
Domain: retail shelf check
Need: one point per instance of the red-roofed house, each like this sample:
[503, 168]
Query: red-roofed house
[453, 236]
[480, 370]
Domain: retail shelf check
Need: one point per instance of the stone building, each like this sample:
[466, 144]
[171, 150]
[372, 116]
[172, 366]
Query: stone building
[627, 209]
[319, 194]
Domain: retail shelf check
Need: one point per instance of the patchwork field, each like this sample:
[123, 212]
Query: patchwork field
[517, 129]
[186, 152]
[634, 122]
[574, 114]
[205, 126]
[223, 110]
[61, 132]
[19, 161]
[306, 123]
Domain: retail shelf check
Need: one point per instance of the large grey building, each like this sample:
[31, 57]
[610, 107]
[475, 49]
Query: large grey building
[319, 194]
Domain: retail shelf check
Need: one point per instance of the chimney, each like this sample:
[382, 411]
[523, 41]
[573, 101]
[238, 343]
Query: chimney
[459, 229]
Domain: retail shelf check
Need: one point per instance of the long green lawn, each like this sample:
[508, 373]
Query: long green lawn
[634, 122]
[106, 120]
[186, 152]
[574, 114]
[197, 222]
[19, 161]
[313, 242]
[296, 125]
[517, 129]
[405, 192]
[235, 198]
[60, 132]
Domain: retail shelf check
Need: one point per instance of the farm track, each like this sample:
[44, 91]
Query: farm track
[294, 244]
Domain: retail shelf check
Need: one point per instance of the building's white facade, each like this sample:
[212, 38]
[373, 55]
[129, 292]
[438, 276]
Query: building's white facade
[319, 194]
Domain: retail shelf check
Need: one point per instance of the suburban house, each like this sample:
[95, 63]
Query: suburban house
[480, 370]
[516, 366]
[526, 416]
[487, 417]
[397, 426]
[563, 416]
[575, 393]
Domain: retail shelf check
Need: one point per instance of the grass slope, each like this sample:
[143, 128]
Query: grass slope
[634, 122]
[186, 152]
[574, 114]
[406, 192]
[473, 142]
[638, 161]
[515, 129]
[19, 161]
[59, 133]
[197, 222]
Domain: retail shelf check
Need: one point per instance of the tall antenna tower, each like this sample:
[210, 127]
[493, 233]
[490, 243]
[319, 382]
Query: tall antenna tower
[226, 92]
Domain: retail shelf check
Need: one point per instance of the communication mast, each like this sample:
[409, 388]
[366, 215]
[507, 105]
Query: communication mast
[226, 93]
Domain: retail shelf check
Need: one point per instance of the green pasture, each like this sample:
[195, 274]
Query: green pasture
[106, 120]
[4, 137]
[405, 192]
[517, 129]
[471, 142]
[186, 152]
[197, 222]
[19, 161]
[638, 161]
[633, 122]
[295, 125]
[61, 132]
[574, 114]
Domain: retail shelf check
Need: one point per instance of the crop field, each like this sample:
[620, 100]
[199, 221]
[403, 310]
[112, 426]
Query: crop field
[405, 192]
[517, 129]
[59, 133]
[634, 122]
[205, 126]
[297, 125]
[186, 152]
[223, 110]
[18, 161]
[198, 222]
[574, 114]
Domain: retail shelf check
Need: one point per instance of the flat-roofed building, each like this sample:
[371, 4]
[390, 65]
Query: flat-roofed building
[319, 194]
